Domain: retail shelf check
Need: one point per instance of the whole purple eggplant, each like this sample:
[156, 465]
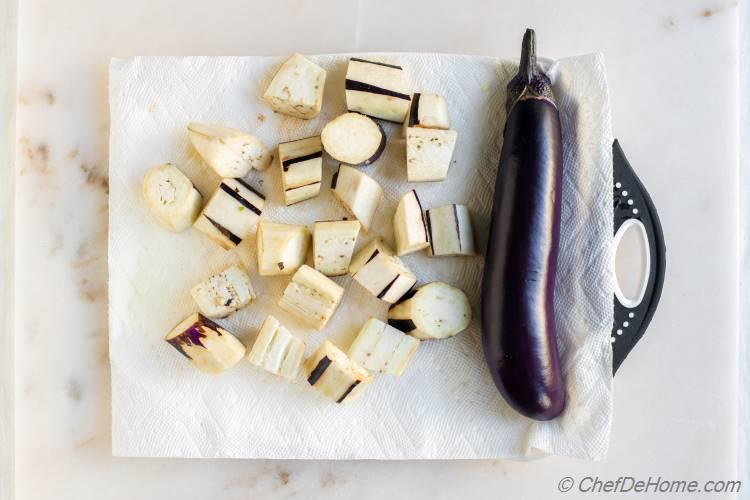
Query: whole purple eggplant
[518, 320]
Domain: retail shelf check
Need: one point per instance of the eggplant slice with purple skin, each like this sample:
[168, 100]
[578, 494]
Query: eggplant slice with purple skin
[518, 321]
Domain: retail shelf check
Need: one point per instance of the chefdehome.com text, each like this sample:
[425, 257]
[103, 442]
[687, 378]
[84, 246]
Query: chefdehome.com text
[650, 484]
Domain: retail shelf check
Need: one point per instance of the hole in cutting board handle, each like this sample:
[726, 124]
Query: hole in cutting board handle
[632, 263]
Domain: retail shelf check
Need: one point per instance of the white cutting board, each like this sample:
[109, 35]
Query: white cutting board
[672, 68]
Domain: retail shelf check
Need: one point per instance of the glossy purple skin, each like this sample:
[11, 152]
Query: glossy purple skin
[194, 334]
[518, 320]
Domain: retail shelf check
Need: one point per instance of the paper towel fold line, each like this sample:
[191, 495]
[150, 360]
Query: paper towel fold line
[162, 406]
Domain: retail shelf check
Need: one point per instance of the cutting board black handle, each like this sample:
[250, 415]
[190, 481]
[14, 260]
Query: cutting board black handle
[634, 210]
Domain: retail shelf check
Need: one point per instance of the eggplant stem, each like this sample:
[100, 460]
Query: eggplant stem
[528, 56]
[530, 82]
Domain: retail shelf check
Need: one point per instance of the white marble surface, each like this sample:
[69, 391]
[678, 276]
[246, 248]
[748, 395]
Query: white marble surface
[744, 351]
[7, 187]
[673, 78]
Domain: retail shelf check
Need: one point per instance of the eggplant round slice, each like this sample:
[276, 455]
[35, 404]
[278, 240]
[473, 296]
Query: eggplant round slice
[354, 139]
[435, 311]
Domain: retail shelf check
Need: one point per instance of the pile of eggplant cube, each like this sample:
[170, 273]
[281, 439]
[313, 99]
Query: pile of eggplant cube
[433, 311]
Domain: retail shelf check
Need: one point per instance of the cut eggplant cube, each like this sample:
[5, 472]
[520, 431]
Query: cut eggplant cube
[277, 351]
[381, 273]
[377, 89]
[334, 375]
[409, 225]
[434, 311]
[359, 193]
[450, 231]
[297, 88]
[172, 198]
[211, 348]
[333, 245]
[381, 348]
[301, 164]
[302, 193]
[428, 153]
[311, 297]
[353, 139]
[232, 213]
[428, 111]
[281, 248]
[229, 152]
[223, 293]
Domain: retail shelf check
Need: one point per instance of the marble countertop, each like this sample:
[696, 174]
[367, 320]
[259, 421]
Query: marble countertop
[673, 81]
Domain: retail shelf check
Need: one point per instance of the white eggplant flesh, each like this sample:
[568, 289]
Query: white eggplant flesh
[311, 297]
[223, 293]
[333, 245]
[281, 248]
[277, 351]
[302, 193]
[450, 231]
[359, 193]
[171, 197]
[297, 88]
[429, 153]
[428, 111]
[381, 348]
[211, 348]
[229, 152]
[378, 270]
[232, 213]
[377, 89]
[301, 164]
[354, 139]
[409, 227]
[434, 311]
[334, 375]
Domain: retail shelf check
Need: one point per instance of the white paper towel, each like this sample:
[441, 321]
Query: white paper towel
[445, 405]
